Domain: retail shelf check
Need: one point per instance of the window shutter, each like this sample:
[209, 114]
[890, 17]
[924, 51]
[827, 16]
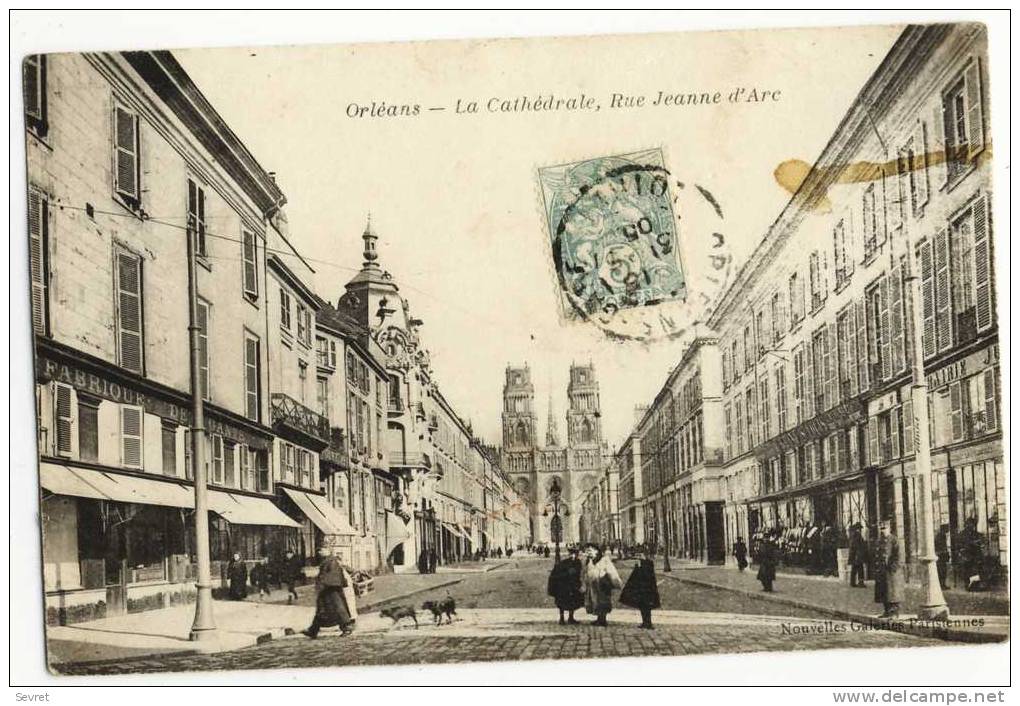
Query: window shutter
[884, 339]
[203, 349]
[217, 459]
[982, 265]
[907, 413]
[131, 436]
[927, 265]
[251, 285]
[852, 451]
[956, 410]
[991, 408]
[920, 165]
[37, 221]
[873, 457]
[896, 319]
[894, 431]
[809, 379]
[850, 346]
[975, 118]
[943, 298]
[829, 339]
[862, 344]
[126, 150]
[881, 201]
[31, 71]
[938, 163]
[251, 375]
[64, 408]
[129, 310]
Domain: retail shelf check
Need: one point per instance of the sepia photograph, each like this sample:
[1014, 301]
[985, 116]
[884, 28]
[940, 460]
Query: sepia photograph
[525, 349]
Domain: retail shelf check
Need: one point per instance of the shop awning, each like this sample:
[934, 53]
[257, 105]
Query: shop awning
[467, 535]
[397, 532]
[101, 485]
[246, 510]
[323, 515]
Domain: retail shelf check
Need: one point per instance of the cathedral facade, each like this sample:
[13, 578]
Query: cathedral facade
[543, 472]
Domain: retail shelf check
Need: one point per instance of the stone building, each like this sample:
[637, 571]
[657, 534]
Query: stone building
[539, 470]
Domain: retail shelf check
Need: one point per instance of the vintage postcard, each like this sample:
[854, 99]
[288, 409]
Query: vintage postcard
[516, 349]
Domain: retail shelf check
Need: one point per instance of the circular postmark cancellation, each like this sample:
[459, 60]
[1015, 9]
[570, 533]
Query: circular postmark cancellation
[618, 254]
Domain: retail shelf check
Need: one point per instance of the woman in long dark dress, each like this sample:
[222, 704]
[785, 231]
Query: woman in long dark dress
[641, 590]
[237, 573]
[767, 562]
[565, 586]
[330, 605]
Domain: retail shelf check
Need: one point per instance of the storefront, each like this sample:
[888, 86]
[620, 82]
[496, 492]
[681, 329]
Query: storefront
[119, 543]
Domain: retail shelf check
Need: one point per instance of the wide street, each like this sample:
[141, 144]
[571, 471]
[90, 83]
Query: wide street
[504, 614]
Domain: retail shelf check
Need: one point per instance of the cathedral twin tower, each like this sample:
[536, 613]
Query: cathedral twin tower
[539, 470]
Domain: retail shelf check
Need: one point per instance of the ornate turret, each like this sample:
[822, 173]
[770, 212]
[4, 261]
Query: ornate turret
[371, 296]
[370, 239]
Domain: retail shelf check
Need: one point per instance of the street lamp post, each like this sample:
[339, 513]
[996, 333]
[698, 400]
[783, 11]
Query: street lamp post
[556, 524]
[204, 626]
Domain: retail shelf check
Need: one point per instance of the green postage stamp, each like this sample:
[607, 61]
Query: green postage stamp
[613, 232]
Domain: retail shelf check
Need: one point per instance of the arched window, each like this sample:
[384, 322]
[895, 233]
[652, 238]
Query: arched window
[587, 433]
[522, 433]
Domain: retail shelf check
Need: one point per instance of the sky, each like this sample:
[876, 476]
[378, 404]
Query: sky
[454, 197]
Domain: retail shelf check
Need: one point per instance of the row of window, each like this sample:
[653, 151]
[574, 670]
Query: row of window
[303, 319]
[682, 451]
[76, 434]
[297, 466]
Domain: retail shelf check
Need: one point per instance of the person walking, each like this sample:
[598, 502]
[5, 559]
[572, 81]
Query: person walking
[601, 579]
[331, 606]
[889, 581]
[292, 573]
[259, 577]
[237, 574]
[642, 590]
[740, 552]
[857, 555]
[971, 556]
[767, 560]
[565, 586]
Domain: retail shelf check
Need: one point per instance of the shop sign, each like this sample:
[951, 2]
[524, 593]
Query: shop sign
[965, 367]
[91, 383]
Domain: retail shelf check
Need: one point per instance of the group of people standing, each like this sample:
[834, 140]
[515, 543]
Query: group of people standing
[286, 570]
[587, 579]
[887, 565]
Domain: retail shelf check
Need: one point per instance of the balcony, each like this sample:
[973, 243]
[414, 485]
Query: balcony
[395, 405]
[410, 459]
[336, 452]
[293, 420]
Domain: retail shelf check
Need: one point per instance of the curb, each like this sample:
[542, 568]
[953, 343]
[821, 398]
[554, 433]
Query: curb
[400, 596]
[949, 634]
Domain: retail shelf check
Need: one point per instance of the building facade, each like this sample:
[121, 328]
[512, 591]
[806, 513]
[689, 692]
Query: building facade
[540, 471]
[815, 338]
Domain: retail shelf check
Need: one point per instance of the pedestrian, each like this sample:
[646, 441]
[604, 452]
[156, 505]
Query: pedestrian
[566, 586]
[641, 590]
[331, 600]
[259, 577]
[600, 579]
[740, 552]
[857, 556]
[767, 559]
[433, 560]
[971, 556]
[888, 573]
[829, 562]
[292, 573]
[942, 554]
[545, 551]
[237, 574]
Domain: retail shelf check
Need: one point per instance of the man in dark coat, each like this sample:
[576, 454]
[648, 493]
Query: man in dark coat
[971, 556]
[857, 556]
[829, 562]
[767, 559]
[237, 573]
[565, 586]
[292, 573]
[642, 590]
[740, 552]
[942, 554]
[330, 605]
[889, 581]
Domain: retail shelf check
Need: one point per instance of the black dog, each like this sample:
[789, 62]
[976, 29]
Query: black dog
[447, 607]
[395, 613]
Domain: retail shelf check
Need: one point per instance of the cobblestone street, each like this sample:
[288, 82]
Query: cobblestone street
[505, 615]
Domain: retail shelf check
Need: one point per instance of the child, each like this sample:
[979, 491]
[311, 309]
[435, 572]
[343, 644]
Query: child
[641, 590]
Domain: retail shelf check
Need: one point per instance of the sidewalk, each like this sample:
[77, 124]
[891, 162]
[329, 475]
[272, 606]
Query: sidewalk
[975, 617]
[158, 632]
